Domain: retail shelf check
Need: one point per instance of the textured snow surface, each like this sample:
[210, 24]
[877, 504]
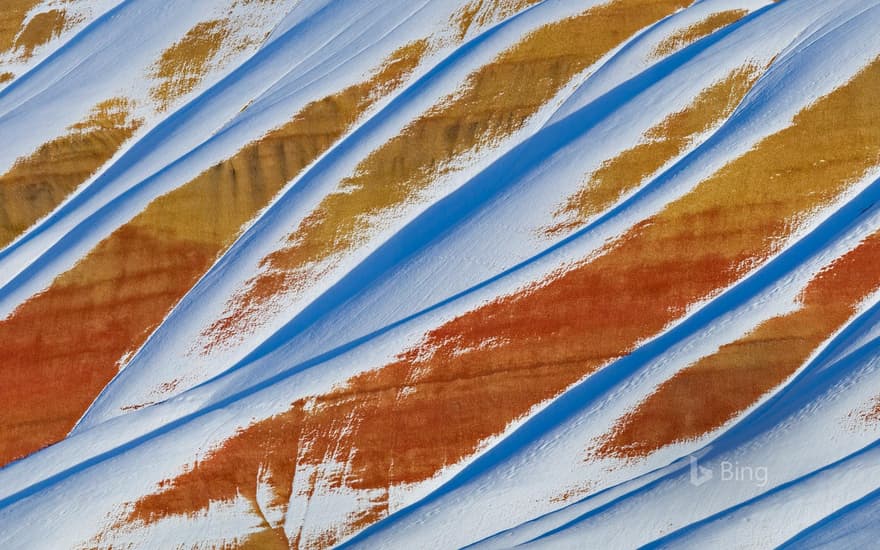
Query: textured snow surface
[804, 456]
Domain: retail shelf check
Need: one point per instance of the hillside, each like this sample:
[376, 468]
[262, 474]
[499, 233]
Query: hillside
[439, 273]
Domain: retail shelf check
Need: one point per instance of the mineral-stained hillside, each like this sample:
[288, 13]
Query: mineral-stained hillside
[363, 273]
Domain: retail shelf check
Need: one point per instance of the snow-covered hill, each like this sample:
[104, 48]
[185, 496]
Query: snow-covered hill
[439, 273]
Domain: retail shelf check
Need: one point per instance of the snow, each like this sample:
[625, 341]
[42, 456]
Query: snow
[474, 236]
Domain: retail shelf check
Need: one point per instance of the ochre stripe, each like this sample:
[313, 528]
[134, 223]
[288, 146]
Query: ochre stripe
[661, 144]
[38, 183]
[496, 101]
[183, 65]
[691, 34]
[62, 346]
[271, 446]
[479, 14]
[11, 20]
[474, 375]
[709, 393]
[208, 46]
[42, 28]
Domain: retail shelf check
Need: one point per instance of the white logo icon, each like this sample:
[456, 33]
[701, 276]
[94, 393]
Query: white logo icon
[699, 474]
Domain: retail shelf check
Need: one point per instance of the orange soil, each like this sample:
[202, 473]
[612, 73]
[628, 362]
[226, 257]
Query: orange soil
[62, 346]
[497, 100]
[12, 17]
[704, 28]
[661, 144]
[474, 375]
[208, 45]
[42, 28]
[479, 14]
[184, 64]
[38, 183]
[709, 393]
